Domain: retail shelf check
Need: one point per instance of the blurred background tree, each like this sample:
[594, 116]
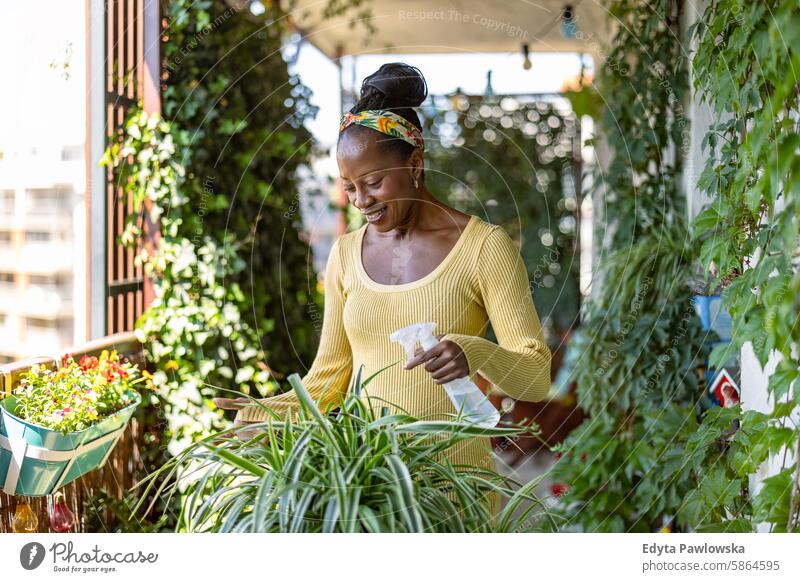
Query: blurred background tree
[511, 161]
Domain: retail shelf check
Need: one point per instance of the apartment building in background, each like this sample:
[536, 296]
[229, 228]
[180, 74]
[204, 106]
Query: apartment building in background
[41, 204]
[42, 179]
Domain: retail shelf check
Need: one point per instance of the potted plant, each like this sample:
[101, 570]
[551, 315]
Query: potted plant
[61, 424]
[353, 471]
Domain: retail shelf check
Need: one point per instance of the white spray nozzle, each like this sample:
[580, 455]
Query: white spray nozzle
[466, 397]
[416, 332]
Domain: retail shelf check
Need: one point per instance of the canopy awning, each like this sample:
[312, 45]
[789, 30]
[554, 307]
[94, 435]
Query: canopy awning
[453, 26]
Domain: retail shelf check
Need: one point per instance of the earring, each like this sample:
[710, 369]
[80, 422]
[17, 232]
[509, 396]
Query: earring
[416, 184]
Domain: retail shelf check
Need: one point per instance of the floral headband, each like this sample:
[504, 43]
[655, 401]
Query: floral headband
[386, 122]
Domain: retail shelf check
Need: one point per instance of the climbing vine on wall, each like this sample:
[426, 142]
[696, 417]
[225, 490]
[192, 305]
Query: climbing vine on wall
[625, 467]
[746, 68]
[639, 467]
[228, 85]
[642, 81]
[217, 175]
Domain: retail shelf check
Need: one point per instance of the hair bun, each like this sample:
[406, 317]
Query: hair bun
[400, 84]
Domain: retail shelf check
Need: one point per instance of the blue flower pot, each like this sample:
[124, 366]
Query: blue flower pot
[709, 310]
[52, 459]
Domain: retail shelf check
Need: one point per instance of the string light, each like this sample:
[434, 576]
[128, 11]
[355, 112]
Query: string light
[568, 27]
[62, 519]
[526, 64]
[25, 520]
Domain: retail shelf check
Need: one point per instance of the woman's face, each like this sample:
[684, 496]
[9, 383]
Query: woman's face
[381, 187]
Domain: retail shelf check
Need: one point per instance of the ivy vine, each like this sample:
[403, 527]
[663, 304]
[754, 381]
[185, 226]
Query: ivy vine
[217, 175]
[626, 468]
[746, 69]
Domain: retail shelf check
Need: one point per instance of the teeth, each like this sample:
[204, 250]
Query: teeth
[375, 215]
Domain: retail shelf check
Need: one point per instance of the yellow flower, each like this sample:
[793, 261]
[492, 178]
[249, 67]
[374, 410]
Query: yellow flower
[148, 379]
[171, 365]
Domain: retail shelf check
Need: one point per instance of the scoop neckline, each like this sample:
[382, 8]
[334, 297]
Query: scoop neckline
[369, 282]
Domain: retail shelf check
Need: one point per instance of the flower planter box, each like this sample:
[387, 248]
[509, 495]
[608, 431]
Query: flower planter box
[36, 461]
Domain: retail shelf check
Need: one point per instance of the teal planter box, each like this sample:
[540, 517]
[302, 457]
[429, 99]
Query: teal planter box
[37, 461]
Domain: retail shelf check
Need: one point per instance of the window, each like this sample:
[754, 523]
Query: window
[44, 202]
[40, 323]
[48, 284]
[43, 280]
[37, 236]
[72, 152]
[6, 202]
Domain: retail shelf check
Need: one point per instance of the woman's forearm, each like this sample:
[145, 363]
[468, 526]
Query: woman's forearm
[522, 373]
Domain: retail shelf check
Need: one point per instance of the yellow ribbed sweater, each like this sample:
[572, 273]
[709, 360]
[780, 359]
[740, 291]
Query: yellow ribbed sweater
[482, 279]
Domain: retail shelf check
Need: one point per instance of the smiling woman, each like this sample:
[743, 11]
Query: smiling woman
[415, 260]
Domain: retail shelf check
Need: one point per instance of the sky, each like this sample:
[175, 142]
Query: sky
[37, 102]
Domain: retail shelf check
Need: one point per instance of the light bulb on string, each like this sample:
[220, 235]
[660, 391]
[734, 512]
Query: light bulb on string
[455, 99]
[25, 520]
[569, 28]
[62, 519]
[489, 91]
[526, 63]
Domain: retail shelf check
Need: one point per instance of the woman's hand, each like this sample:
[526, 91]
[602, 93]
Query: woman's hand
[238, 404]
[446, 361]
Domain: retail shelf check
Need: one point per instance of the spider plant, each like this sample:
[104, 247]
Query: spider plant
[351, 471]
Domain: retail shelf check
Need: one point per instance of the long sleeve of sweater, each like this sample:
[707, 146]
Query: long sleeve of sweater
[520, 365]
[329, 375]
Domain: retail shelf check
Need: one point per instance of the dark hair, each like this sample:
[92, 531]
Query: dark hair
[399, 88]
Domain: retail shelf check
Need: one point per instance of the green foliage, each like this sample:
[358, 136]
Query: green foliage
[193, 330]
[642, 80]
[230, 274]
[218, 182]
[644, 329]
[513, 160]
[228, 90]
[743, 69]
[625, 468]
[355, 471]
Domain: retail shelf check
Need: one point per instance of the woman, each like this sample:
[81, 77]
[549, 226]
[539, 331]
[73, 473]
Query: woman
[415, 260]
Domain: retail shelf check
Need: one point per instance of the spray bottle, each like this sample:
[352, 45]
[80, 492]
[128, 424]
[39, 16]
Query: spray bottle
[463, 393]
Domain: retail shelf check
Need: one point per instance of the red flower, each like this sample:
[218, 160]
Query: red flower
[557, 456]
[558, 489]
[583, 456]
[88, 363]
[65, 359]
